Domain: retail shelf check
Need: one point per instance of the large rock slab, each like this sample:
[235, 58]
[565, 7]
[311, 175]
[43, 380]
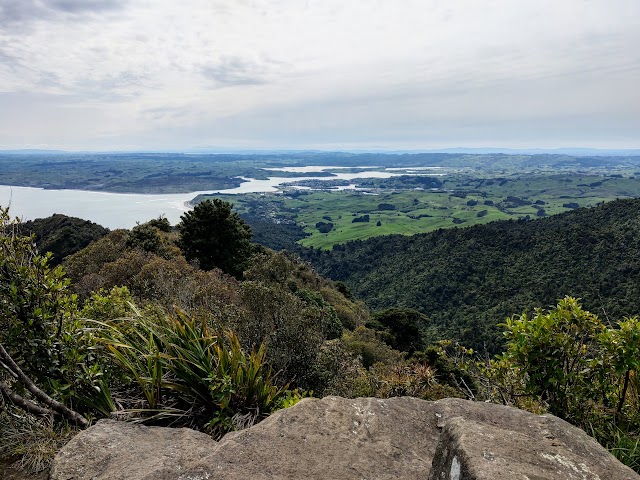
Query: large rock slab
[337, 438]
[119, 450]
[487, 441]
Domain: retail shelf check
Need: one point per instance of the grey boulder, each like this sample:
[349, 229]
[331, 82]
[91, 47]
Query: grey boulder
[359, 439]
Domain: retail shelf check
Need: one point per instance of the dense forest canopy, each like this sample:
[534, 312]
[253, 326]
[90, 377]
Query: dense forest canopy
[467, 280]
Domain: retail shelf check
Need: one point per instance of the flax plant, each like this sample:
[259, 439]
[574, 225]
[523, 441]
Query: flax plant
[190, 372]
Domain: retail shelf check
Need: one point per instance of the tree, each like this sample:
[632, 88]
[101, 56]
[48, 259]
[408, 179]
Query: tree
[62, 235]
[404, 326]
[216, 237]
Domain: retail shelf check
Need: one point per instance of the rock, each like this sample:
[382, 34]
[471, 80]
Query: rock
[487, 441]
[334, 438]
[337, 438]
[120, 450]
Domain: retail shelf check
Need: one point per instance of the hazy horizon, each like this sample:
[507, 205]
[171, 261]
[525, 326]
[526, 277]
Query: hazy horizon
[577, 151]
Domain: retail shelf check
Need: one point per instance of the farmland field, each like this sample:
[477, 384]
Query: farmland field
[385, 206]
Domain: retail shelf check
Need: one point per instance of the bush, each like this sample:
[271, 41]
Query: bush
[190, 372]
[291, 330]
[34, 301]
[568, 361]
[368, 344]
[405, 327]
[340, 372]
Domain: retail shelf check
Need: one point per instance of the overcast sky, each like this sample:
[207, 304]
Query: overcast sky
[328, 74]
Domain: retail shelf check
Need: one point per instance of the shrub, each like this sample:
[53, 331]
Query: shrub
[190, 372]
[567, 361]
[366, 343]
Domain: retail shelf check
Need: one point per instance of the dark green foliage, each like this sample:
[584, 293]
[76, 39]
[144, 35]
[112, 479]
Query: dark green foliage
[571, 205]
[33, 297]
[329, 324]
[517, 201]
[62, 235]
[39, 326]
[216, 237]
[152, 237]
[344, 290]
[468, 280]
[161, 223]
[404, 326]
[363, 218]
[144, 237]
[291, 330]
[324, 227]
[276, 236]
[386, 206]
[558, 350]
[447, 372]
[567, 360]
[370, 346]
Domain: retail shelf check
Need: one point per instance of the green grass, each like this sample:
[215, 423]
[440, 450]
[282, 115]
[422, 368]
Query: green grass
[420, 211]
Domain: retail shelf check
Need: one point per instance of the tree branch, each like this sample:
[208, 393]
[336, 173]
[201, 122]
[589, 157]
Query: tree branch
[56, 406]
[22, 402]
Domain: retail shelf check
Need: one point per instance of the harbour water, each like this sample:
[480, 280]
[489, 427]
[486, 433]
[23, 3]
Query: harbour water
[123, 210]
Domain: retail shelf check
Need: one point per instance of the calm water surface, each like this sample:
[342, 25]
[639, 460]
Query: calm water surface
[123, 210]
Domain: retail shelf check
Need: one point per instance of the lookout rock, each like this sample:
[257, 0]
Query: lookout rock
[337, 438]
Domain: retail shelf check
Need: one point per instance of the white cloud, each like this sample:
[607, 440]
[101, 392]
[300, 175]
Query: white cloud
[155, 73]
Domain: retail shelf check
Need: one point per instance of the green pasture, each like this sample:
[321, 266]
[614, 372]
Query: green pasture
[464, 200]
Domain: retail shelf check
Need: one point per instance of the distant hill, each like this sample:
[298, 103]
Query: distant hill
[467, 280]
[62, 235]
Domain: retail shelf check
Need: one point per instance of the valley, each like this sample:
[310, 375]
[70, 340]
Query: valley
[418, 204]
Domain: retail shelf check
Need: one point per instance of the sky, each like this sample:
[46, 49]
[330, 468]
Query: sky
[319, 74]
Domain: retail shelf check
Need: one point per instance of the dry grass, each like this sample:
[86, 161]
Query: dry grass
[34, 441]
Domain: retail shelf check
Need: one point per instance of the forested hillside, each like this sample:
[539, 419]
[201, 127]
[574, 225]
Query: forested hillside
[62, 235]
[468, 280]
[196, 325]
